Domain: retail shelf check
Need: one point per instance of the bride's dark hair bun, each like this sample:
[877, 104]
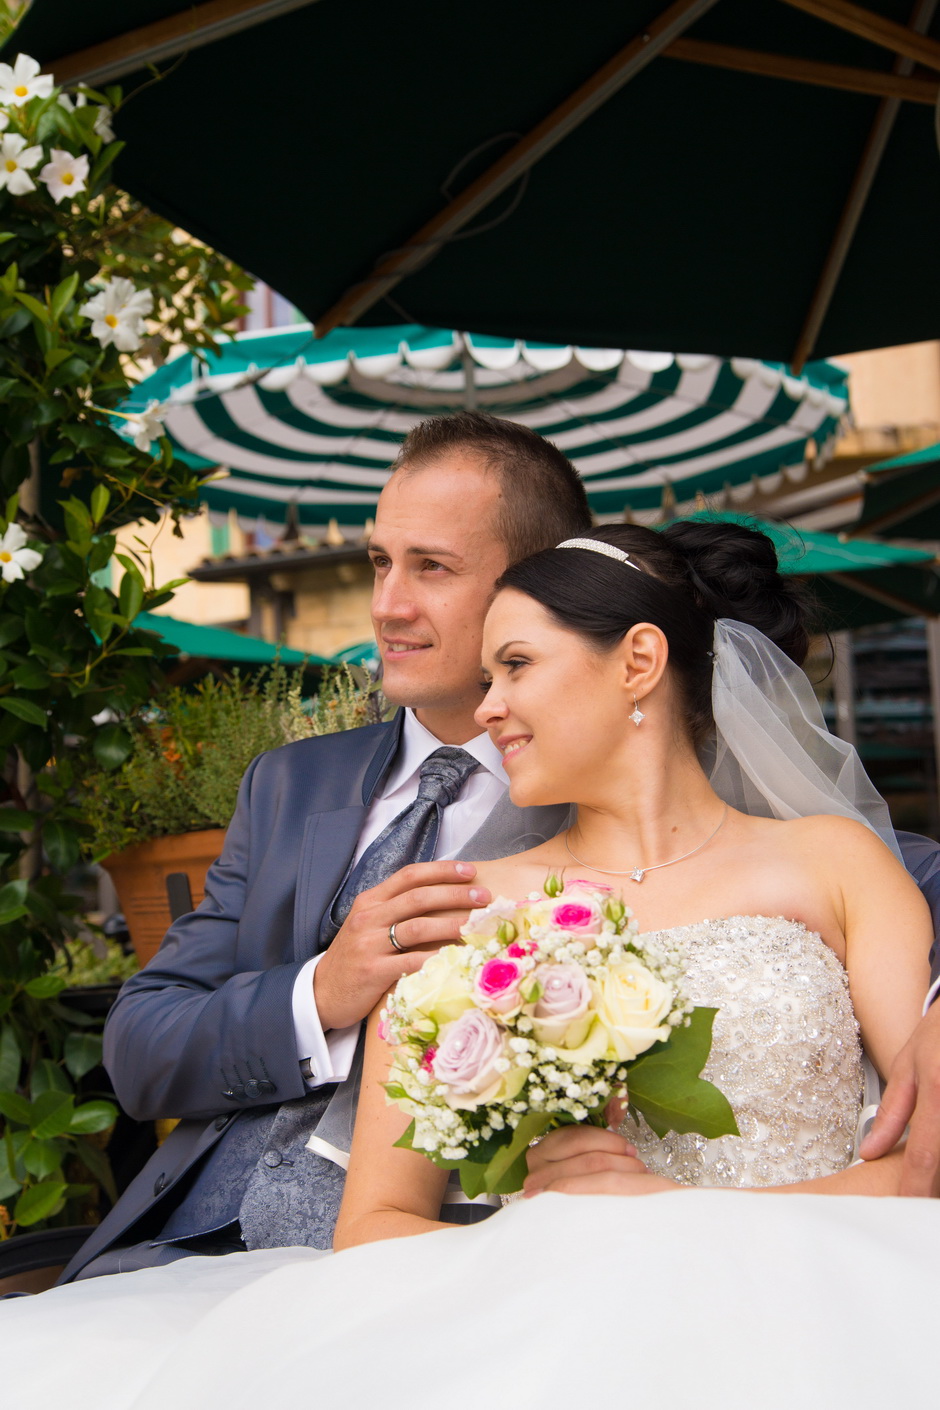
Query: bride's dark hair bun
[734, 572]
[691, 573]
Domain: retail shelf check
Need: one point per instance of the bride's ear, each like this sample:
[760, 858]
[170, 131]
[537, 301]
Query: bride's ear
[644, 654]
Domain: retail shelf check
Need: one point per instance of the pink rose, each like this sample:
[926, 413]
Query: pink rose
[582, 885]
[497, 985]
[467, 1053]
[561, 1015]
[574, 915]
[382, 1030]
[520, 948]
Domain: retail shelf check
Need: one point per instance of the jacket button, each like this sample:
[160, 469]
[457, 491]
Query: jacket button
[160, 1184]
[272, 1159]
[265, 1086]
[221, 1122]
[252, 1088]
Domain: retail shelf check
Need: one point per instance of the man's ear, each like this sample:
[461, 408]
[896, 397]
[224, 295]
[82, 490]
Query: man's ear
[645, 653]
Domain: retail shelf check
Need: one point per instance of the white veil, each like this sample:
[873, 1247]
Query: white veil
[774, 756]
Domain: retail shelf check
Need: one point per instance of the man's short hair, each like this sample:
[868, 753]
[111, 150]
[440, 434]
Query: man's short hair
[543, 499]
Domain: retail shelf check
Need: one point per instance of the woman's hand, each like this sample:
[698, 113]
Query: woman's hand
[585, 1160]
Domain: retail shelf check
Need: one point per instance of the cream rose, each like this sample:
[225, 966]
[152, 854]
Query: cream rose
[440, 989]
[632, 1005]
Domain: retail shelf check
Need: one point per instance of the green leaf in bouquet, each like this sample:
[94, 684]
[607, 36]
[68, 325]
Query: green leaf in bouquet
[509, 1160]
[664, 1084]
[39, 1201]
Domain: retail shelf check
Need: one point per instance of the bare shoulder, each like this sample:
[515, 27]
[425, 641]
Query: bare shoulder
[836, 847]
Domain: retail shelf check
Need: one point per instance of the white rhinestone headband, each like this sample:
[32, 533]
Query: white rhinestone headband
[598, 546]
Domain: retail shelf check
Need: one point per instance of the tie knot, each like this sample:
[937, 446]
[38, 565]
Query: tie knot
[444, 773]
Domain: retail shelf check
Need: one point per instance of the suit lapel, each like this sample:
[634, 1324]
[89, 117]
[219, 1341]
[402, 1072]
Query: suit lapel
[330, 834]
[509, 829]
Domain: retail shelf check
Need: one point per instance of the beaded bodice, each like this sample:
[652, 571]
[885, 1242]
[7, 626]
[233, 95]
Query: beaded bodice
[785, 1052]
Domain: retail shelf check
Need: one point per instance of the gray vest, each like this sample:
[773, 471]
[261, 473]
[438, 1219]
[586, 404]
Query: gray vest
[261, 1172]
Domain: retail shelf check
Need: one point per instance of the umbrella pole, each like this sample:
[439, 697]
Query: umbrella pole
[470, 399]
[843, 687]
[933, 665]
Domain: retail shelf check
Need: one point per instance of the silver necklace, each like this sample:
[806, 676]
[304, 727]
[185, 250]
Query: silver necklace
[638, 873]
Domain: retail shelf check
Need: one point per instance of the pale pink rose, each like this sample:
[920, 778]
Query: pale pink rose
[496, 986]
[467, 1053]
[382, 1030]
[560, 1016]
[579, 917]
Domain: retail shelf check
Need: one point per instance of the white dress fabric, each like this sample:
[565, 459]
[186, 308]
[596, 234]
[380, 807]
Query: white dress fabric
[697, 1297]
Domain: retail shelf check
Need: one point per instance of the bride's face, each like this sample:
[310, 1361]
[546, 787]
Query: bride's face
[554, 708]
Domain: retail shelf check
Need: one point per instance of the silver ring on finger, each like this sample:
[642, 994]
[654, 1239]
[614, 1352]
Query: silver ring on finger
[393, 942]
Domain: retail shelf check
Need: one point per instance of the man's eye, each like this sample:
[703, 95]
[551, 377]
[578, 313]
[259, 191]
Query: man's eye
[429, 564]
[379, 561]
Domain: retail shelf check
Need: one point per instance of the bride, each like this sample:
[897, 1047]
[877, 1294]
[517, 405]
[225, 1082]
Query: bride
[614, 665]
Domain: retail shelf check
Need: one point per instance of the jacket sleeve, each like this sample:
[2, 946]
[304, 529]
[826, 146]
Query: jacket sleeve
[193, 1034]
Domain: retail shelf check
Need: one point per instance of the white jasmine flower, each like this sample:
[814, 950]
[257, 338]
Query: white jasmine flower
[117, 313]
[146, 426]
[16, 159]
[64, 175]
[15, 558]
[103, 123]
[23, 81]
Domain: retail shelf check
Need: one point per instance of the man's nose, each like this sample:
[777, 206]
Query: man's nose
[391, 601]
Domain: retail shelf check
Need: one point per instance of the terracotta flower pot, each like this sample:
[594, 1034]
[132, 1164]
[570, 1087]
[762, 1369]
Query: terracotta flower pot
[139, 874]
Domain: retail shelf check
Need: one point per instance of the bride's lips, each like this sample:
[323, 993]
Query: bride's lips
[509, 745]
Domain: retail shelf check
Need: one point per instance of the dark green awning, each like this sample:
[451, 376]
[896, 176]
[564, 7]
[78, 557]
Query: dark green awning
[217, 644]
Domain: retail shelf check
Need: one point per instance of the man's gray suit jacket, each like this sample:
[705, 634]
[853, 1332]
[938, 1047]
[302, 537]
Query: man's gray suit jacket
[206, 1030]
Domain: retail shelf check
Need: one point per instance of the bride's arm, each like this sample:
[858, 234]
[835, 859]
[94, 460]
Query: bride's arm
[389, 1192]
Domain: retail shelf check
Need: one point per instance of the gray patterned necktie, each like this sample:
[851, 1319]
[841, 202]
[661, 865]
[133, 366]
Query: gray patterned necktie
[412, 836]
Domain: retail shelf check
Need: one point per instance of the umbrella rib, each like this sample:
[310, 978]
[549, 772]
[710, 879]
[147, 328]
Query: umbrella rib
[860, 190]
[568, 116]
[910, 42]
[851, 80]
[167, 38]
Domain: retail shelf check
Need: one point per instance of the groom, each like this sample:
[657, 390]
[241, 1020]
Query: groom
[248, 1018]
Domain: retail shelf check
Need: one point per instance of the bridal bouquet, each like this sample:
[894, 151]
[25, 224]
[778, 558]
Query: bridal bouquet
[553, 1006]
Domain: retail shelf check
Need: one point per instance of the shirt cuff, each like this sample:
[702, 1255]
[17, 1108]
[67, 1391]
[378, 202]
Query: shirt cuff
[329, 1055]
[932, 993]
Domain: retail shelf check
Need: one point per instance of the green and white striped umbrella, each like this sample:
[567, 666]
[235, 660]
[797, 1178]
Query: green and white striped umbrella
[293, 420]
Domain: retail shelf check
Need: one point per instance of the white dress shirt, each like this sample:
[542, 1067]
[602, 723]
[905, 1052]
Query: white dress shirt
[330, 1054]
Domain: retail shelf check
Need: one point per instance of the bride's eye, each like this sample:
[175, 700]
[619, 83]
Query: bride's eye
[513, 663]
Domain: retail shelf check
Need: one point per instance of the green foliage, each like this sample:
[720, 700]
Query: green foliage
[188, 752]
[73, 665]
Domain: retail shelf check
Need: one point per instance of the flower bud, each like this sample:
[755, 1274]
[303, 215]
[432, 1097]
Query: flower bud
[506, 932]
[553, 886]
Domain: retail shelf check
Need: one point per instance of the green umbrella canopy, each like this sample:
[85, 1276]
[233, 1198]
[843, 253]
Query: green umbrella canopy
[217, 644]
[902, 496]
[316, 423]
[684, 205]
[855, 582]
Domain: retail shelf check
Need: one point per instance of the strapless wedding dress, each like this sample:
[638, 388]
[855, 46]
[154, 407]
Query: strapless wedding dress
[705, 1298]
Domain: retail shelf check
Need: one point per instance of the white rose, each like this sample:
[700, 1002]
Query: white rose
[441, 989]
[633, 1005]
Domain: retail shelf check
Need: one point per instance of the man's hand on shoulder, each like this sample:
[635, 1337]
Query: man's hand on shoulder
[426, 902]
[913, 1096]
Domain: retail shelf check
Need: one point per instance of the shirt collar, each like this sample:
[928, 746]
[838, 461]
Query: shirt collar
[418, 743]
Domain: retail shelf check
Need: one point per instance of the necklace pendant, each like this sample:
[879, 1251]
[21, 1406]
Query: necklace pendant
[637, 874]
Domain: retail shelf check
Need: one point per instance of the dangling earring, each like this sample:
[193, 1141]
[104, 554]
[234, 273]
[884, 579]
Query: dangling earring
[637, 717]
